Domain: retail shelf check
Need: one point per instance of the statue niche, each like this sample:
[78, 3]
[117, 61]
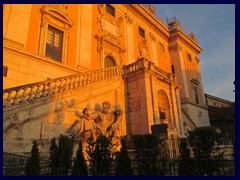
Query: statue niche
[96, 123]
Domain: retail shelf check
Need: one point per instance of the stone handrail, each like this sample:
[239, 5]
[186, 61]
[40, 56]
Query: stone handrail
[145, 63]
[131, 68]
[162, 72]
[29, 92]
[189, 119]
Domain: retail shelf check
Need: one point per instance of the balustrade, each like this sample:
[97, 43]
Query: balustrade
[21, 94]
[162, 72]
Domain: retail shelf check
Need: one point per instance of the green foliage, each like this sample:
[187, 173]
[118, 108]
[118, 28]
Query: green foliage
[33, 164]
[54, 157]
[79, 167]
[65, 152]
[147, 152]
[101, 153]
[208, 160]
[123, 162]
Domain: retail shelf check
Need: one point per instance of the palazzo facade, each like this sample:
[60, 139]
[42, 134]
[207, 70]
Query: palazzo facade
[62, 58]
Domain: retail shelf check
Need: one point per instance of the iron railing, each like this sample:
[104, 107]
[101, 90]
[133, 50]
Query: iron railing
[14, 165]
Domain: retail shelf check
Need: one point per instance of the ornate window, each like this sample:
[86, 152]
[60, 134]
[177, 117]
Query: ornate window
[195, 90]
[161, 47]
[55, 25]
[195, 84]
[141, 32]
[189, 57]
[54, 43]
[110, 10]
[109, 62]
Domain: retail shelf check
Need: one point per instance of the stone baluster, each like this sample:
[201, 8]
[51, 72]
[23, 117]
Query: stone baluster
[51, 87]
[64, 85]
[84, 80]
[89, 78]
[16, 98]
[9, 99]
[95, 77]
[38, 91]
[101, 75]
[24, 95]
[68, 84]
[31, 94]
[57, 84]
[71, 82]
[80, 80]
[76, 82]
[5, 96]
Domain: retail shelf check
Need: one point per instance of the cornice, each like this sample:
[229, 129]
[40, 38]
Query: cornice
[178, 34]
[145, 15]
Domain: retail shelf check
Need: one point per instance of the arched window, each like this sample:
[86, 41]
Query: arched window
[109, 62]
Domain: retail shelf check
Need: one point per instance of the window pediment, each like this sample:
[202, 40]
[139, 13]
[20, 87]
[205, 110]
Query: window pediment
[195, 81]
[57, 13]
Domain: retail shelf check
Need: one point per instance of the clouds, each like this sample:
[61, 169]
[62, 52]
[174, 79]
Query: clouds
[214, 25]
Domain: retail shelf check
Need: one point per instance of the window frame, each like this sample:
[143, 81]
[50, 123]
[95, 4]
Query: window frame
[113, 61]
[161, 47]
[111, 10]
[195, 86]
[55, 17]
[5, 71]
[196, 95]
[143, 31]
[189, 57]
[55, 32]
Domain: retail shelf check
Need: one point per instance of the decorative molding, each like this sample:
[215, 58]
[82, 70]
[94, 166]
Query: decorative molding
[143, 49]
[175, 48]
[154, 22]
[60, 7]
[195, 81]
[152, 36]
[128, 18]
[109, 35]
[62, 22]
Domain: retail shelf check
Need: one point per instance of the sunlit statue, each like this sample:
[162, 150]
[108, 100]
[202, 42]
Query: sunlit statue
[97, 123]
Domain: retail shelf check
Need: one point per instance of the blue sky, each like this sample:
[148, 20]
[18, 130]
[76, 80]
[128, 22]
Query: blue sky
[214, 26]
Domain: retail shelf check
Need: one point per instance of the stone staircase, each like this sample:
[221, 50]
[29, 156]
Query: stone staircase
[187, 120]
[45, 109]
[27, 93]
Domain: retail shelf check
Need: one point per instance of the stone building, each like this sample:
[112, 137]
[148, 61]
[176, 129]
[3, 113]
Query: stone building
[62, 58]
[221, 114]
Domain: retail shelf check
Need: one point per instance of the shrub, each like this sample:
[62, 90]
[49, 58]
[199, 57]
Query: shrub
[79, 167]
[101, 153]
[123, 162]
[54, 157]
[186, 166]
[147, 152]
[65, 152]
[208, 160]
[33, 164]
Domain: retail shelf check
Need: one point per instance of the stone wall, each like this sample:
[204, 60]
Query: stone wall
[50, 116]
